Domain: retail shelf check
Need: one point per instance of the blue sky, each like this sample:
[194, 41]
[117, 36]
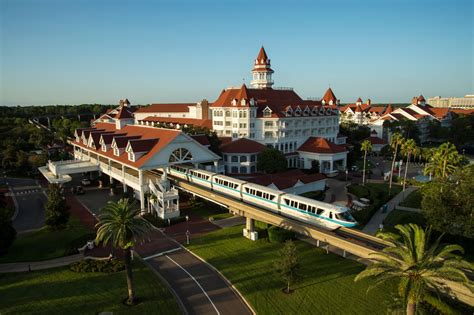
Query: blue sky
[97, 51]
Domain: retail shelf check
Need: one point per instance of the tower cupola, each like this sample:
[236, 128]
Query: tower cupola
[262, 71]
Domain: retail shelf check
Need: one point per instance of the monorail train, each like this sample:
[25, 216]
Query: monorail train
[296, 207]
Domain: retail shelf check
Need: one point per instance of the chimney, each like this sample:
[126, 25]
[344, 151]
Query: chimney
[369, 102]
[203, 110]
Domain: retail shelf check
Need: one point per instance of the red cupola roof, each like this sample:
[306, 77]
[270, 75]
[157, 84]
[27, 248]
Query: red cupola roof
[329, 96]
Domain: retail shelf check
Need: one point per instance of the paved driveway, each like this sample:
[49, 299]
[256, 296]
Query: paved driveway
[30, 200]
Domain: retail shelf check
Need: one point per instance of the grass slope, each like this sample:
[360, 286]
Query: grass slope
[326, 285]
[61, 291]
[45, 243]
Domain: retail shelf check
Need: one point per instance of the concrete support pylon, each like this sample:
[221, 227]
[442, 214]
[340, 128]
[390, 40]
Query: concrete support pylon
[249, 231]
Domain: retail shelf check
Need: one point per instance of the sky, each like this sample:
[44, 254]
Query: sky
[101, 51]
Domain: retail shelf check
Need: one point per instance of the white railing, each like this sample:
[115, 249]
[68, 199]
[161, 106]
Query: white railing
[131, 178]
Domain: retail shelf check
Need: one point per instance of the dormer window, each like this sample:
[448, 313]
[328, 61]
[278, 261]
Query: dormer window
[298, 111]
[243, 102]
[252, 102]
[116, 151]
[306, 111]
[234, 102]
[131, 156]
[103, 147]
[267, 112]
[289, 111]
[314, 112]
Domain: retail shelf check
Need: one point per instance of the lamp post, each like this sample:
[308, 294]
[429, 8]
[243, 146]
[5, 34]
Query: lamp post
[187, 230]
[347, 173]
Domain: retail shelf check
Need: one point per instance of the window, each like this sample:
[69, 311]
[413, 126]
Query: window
[235, 159]
[252, 135]
[235, 114]
[267, 112]
[116, 152]
[234, 169]
[235, 125]
[242, 125]
[104, 148]
[224, 157]
[268, 134]
[268, 124]
[252, 125]
[227, 123]
[243, 170]
[252, 169]
[131, 156]
[243, 158]
[252, 158]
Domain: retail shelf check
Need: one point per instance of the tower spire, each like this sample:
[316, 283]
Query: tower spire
[262, 71]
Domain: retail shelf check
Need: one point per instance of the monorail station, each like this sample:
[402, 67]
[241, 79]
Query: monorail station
[131, 155]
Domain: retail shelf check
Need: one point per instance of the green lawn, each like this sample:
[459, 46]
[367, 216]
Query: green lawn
[378, 195]
[61, 291]
[413, 200]
[326, 286]
[207, 210]
[402, 217]
[45, 243]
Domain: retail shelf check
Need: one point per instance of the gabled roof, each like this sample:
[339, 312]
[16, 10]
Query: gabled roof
[96, 137]
[242, 145]
[123, 113]
[286, 179]
[388, 109]
[262, 55]
[421, 98]
[202, 139]
[321, 145]
[376, 140]
[142, 145]
[165, 136]
[359, 100]
[108, 137]
[166, 108]
[329, 96]
[207, 123]
[121, 141]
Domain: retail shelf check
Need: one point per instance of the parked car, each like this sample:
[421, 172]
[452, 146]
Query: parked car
[85, 182]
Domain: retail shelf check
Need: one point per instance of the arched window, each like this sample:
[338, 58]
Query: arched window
[180, 155]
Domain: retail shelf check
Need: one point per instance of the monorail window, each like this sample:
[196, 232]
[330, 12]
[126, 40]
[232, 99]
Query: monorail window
[258, 193]
[303, 206]
[330, 215]
[319, 211]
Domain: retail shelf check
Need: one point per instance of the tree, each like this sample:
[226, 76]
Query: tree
[287, 266]
[417, 266]
[366, 146]
[120, 224]
[57, 210]
[395, 143]
[448, 203]
[408, 149]
[443, 161]
[7, 232]
[271, 161]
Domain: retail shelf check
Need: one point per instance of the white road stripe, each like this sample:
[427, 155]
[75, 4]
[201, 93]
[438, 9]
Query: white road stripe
[162, 253]
[205, 293]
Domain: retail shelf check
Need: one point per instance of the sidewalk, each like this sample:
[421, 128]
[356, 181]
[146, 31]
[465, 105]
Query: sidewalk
[39, 265]
[373, 225]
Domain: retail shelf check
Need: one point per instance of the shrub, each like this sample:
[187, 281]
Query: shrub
[7, 232]
[279, 235]
[90, 265]
[261, 225]
[78, 242]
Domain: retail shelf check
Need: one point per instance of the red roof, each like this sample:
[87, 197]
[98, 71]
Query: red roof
[242, 145]
[262, 55]
[286, 179]
[142, 145]
[207, 123]
[439, 112]
[276, 100]
[389, 109]
[321, 145]
[421, 98]
[376, 140]
[225, 140]
[202, 139]
[359, 100]
[166, 108]
[463, 111]
[165, 136]
[329, 96]
[123, 113]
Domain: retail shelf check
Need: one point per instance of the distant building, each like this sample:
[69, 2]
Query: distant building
[362, 113]
[466, 102]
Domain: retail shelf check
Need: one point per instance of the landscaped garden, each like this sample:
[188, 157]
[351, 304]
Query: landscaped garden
[413, 200]
[378, 196]
[61, 291]
[402, 217]
[47, 243]
[326, 284]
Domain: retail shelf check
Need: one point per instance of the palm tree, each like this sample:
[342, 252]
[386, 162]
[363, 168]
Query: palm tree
[444, 160]
[418, 266]
[408, 148]
[366, 146]
[120, 224]
[395, 143]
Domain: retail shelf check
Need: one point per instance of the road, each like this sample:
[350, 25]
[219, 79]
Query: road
[30, 199]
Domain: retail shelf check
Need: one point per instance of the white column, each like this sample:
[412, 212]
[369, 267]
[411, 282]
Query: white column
[123, 179]
[216, 166]
[142, 191]
[331, 166]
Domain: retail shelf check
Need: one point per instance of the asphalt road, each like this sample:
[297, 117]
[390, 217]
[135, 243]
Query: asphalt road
[30, 199]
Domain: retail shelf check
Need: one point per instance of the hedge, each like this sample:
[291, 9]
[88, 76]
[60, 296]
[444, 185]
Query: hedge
[90, 265]
[279, 235]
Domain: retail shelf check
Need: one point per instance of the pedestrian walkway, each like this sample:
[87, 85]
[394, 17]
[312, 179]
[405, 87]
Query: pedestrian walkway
[377, 219]
[229, 222]
[39, 265]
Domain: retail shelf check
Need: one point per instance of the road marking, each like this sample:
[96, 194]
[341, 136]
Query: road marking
[199, 285]
[163, 253]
